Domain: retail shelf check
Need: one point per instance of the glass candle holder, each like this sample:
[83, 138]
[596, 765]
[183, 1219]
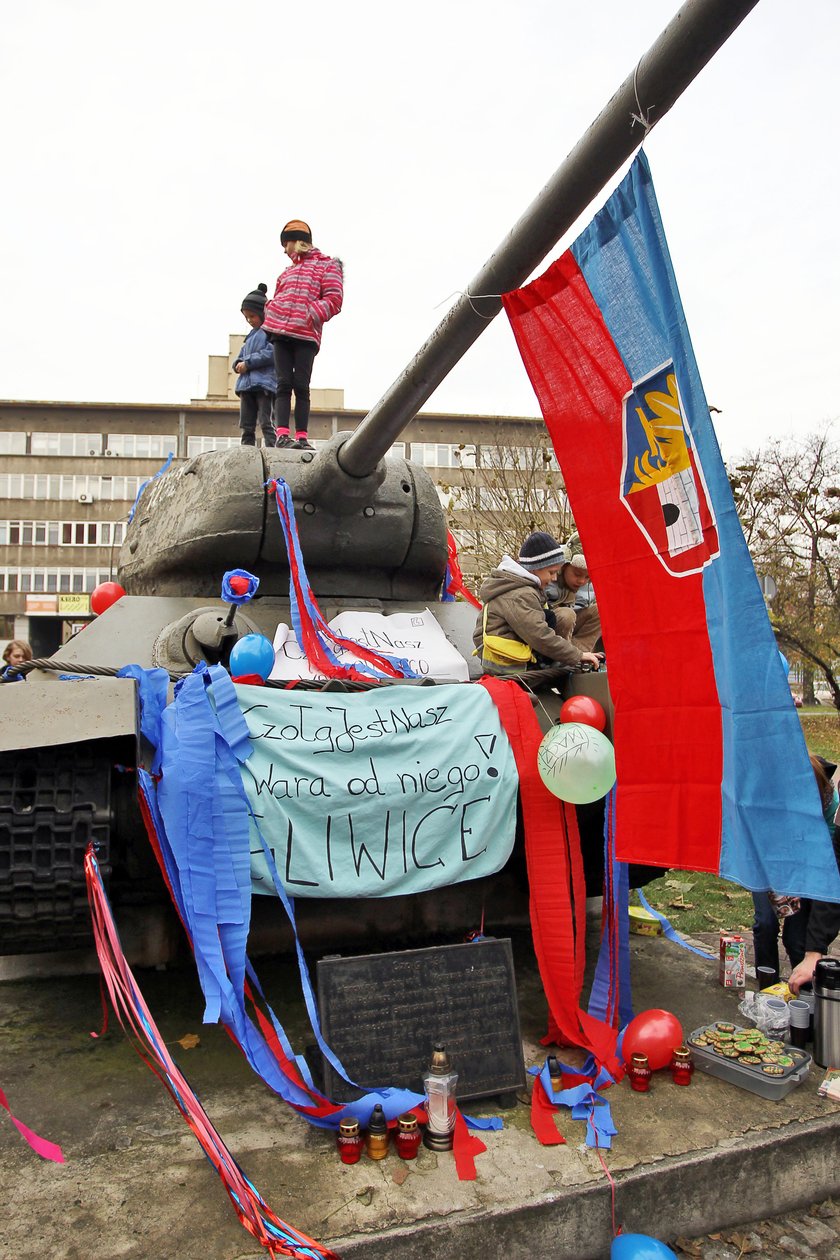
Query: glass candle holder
[349, 1141]
[639, 1073]
[408, 1137]
[439, 1085]
[376, 1138]
[682, 1067]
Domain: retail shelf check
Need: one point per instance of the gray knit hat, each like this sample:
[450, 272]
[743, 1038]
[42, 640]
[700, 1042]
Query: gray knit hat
[255, 300]
[541, 551]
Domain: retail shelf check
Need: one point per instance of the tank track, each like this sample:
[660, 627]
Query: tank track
[53, 802]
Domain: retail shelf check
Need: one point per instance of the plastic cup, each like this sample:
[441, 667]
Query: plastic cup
[775, 1014]
[806, 994]
[800, 1020]
[765, 977]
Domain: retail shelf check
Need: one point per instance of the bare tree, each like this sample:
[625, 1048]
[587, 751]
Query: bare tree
[500, 494]
[788, 497]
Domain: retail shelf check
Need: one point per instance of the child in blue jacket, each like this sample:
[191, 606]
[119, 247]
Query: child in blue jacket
[256, 382]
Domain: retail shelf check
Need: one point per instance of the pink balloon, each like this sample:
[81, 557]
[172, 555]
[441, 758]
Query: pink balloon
[104, 595]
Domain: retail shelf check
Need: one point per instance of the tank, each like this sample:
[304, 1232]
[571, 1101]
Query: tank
[373, 535]
[376, 543]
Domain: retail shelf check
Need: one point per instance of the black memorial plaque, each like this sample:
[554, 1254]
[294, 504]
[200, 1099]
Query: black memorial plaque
[382, 1014]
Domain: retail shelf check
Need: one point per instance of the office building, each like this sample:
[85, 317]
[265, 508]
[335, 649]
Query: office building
[70, 473]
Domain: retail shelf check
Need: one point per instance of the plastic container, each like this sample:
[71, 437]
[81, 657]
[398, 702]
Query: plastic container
[643, 923]
[750, 1076]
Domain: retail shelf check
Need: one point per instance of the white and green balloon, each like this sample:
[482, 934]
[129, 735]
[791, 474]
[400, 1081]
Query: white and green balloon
[576, 762]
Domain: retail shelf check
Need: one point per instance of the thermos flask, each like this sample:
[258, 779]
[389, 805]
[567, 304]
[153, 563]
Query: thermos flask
[827, 1012]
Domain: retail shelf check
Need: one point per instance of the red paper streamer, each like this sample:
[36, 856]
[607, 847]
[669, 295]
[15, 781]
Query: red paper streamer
[543, 1112]
[465, 1147]
[47, 1150]
[555, 876]
[456, 577]
[277, 1237]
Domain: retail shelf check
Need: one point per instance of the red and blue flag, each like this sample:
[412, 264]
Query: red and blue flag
[713, 773]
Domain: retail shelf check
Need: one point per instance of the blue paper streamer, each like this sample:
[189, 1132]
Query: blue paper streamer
[230, 595]
[613, 966]
[201, 819]
[671, 933]
[584, 1100]
[153, 688]
[290, 533]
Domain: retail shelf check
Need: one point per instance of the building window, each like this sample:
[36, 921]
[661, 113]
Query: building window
[435, 454]
[200, 445]
[66, 443]
[141, 445]
[54, 486]
[12, 443]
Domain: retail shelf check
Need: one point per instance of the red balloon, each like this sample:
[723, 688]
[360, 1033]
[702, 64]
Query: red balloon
[654, 1033]
[104, 595]
[584, 709]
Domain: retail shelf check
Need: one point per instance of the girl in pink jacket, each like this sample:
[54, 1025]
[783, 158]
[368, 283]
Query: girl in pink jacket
[308, 294]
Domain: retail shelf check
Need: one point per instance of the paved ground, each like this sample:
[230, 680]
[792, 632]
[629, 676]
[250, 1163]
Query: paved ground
[687, 1162]
[813, 1234]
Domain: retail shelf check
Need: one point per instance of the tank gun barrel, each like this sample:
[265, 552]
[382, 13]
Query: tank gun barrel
[688, 42]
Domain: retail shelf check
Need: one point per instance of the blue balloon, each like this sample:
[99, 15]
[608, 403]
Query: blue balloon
[252, 654]
[640, 1247]
[784, 661]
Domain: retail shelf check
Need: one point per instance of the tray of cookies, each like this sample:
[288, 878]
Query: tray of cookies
[748, 1058]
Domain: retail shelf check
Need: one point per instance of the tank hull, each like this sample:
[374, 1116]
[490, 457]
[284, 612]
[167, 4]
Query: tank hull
[67, 758]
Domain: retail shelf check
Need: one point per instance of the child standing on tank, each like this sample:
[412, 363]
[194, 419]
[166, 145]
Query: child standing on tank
[308, 293]
[256, 382]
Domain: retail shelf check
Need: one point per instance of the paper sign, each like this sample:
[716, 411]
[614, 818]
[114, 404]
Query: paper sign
[379, 793]
[414, 636]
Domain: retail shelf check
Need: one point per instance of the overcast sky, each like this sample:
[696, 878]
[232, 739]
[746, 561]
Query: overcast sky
[151, 155]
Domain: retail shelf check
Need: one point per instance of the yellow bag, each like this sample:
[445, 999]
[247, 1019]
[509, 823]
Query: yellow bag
[500, 651]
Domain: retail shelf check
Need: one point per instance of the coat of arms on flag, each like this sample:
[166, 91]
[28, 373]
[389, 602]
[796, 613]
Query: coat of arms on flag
[662, 484]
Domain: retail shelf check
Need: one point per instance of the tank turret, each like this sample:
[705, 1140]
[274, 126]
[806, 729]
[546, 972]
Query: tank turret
[379, 536]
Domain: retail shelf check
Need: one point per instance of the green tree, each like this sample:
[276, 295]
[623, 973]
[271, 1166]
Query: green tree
[788, 498]
[499, 495]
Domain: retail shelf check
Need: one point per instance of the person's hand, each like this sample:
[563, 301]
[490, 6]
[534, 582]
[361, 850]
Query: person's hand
[241, 368]
[592, 659]
[803, 972]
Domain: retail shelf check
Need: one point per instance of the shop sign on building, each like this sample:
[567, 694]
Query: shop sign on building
[74, 605]
[41, 605]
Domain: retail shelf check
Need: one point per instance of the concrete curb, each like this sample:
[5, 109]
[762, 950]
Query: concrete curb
[685, 1196]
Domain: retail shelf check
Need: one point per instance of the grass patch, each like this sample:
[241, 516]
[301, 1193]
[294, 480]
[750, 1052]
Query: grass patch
[821, 726]
[696, 902]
